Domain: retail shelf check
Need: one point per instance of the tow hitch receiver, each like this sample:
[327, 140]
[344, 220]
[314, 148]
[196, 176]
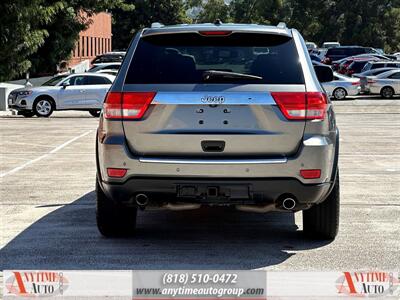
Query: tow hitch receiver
[222, 193]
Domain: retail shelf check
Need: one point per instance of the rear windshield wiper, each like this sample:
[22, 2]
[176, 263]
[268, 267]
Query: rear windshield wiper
[214, 74]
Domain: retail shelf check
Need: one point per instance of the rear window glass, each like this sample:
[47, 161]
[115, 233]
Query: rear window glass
[188, 57]
[378, 65]
[108, 58]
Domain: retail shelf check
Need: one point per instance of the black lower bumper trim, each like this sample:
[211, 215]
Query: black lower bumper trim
[216, 191]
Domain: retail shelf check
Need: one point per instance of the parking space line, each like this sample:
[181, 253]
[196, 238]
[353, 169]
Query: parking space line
[58, 148]
[28, 144]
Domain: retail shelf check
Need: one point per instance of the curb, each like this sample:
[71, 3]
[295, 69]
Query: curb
[8, 113]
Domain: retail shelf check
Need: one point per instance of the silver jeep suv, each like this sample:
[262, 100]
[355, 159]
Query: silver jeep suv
[218, 115]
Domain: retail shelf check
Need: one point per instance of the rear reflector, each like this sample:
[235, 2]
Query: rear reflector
[301, 105]
[215, 33]
[127, 105]
[310, 174]
[116, 173]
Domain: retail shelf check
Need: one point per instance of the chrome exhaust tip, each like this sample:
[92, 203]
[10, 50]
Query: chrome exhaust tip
[142, 200]
[289, 203]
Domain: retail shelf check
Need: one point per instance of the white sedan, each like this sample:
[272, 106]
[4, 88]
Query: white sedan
[386, 84]
[64, 92]
[342, 86]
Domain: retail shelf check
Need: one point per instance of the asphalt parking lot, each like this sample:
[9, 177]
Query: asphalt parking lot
[47, 176]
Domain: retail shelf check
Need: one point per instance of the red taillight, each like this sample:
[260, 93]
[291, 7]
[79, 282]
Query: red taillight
[127, 105]
[355, 83]
[301, 105]
[116, 173]
[310, 174]
[112, 105]
[215, 33]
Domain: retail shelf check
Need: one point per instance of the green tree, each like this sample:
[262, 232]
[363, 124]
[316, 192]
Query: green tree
[257, 11]
[371, 23]
[22, 32]
[213, 10]
[365, 22]
[126, 23]
[35, 35]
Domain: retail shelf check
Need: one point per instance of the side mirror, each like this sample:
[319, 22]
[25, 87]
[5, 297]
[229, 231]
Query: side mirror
[65, 84]
[324, 73]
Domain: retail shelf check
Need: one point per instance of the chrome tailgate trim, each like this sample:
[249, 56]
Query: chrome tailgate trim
[211, 97]
[213, 161]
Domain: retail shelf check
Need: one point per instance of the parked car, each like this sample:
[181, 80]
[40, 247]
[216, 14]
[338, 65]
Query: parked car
[336, 65]
[355, 67]
[372, 55]
[109, 57]
[311, 46]
[329, 45]
[244, 137]
[364, 75]
[107, 71]
[386, 84]
[315, 58]
[105, 66]
[320, 52]
[380, 64]
[342, 86]
[379, 50]
[334, 54]
[66, 92]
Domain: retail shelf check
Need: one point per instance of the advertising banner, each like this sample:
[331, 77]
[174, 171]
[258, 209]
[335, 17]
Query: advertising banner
[199, 284]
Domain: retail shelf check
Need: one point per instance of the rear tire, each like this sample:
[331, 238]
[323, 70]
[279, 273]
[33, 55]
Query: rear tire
[339, 94]
[94, 113]
[387, 92]
[322, 220]
[113, 219]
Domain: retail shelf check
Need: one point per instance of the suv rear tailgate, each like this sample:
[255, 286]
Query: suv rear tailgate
[187, 124]
[228, 113]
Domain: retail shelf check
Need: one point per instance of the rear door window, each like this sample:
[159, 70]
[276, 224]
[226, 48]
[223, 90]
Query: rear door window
[98, 80]
[392, 65]
[77, 80]
[395, 76]
[189, 57]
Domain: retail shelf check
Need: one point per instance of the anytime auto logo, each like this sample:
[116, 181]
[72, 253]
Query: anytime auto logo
[35, 284]
[367, 284]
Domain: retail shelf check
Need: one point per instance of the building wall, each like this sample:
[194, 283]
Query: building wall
[95, 40]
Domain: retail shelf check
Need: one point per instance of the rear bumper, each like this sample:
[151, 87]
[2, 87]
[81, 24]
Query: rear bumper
[316, 152]
[373, 89]
[353, 90]
[365, 88]
[230, 191]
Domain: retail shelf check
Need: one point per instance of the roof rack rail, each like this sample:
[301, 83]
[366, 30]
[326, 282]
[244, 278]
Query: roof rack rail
[281, 25]
[157, 25]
